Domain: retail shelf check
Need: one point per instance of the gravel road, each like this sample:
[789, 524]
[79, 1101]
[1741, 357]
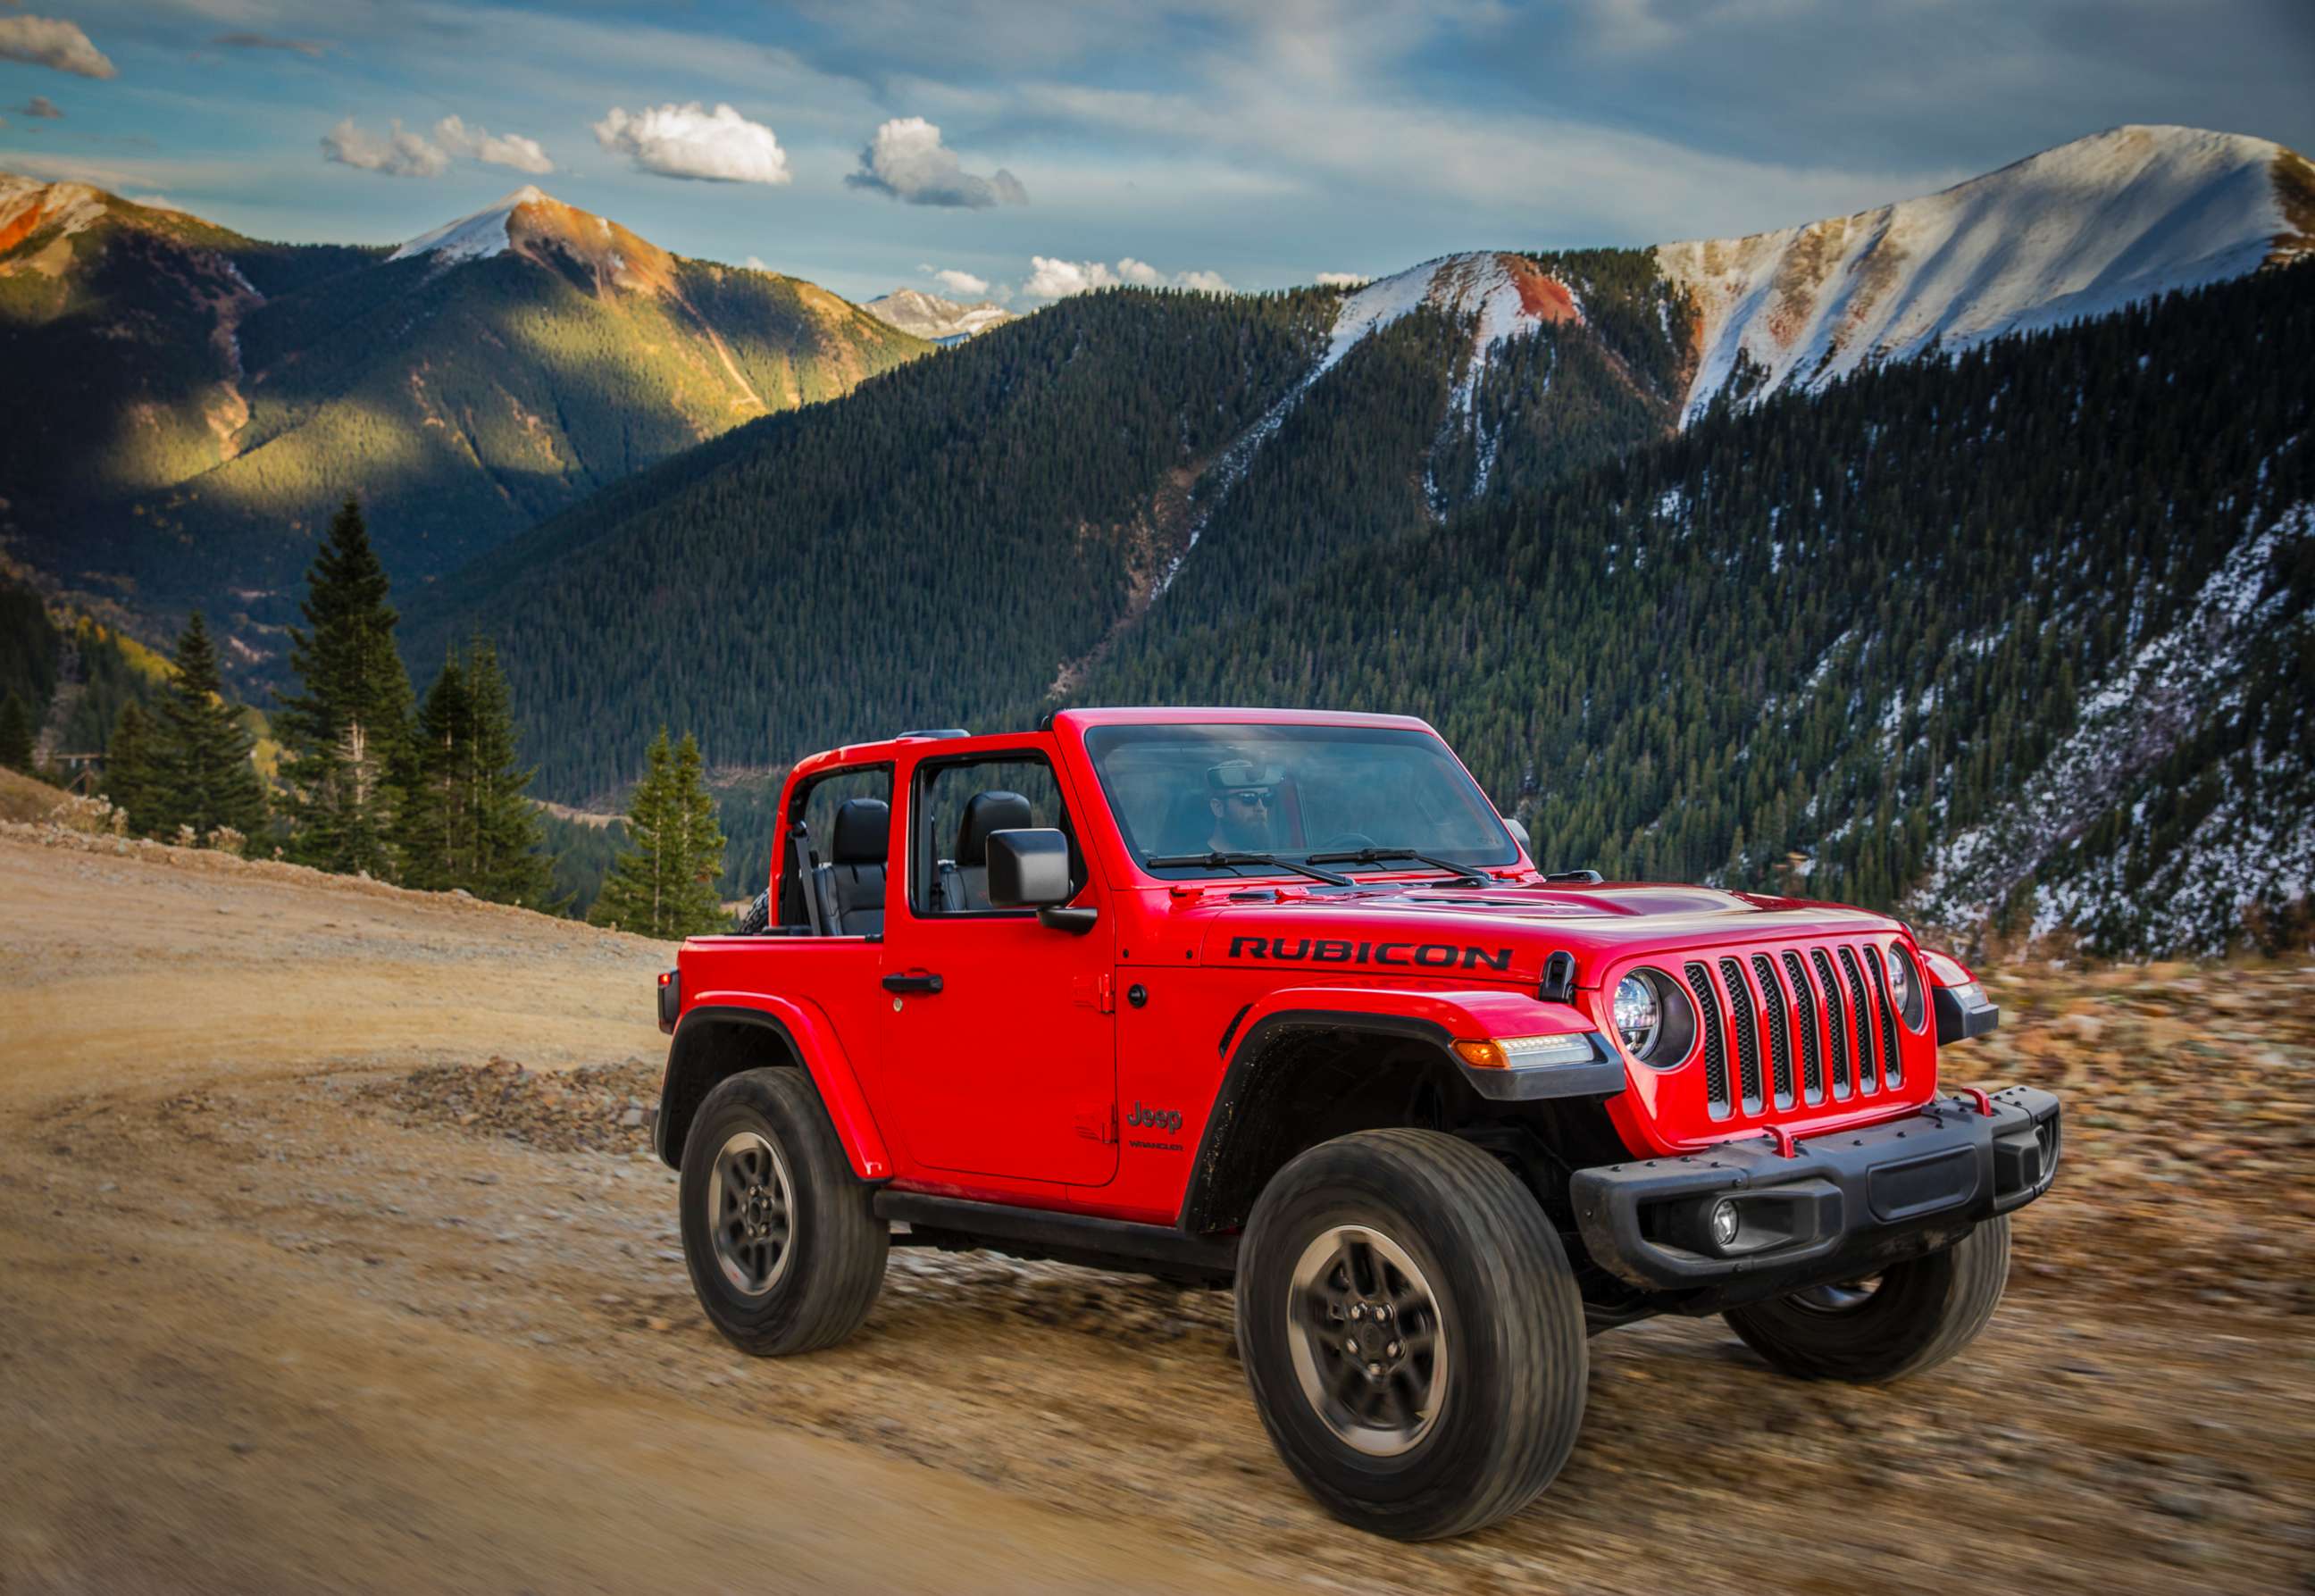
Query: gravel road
[330, 1256]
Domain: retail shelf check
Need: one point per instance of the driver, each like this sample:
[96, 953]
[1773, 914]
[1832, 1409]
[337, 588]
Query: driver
[1239, 793]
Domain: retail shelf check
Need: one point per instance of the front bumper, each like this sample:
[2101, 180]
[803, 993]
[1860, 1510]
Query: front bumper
[1839, 1205]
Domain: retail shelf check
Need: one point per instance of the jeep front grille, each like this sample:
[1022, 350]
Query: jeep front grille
[1821, 1017]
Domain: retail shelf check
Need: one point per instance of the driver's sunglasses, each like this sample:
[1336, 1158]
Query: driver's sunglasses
[1251, 797]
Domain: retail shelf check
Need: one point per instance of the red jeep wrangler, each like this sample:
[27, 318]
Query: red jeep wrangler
[1278, 999]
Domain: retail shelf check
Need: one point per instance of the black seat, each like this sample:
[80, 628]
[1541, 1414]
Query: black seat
[964, 879]
[851, 887]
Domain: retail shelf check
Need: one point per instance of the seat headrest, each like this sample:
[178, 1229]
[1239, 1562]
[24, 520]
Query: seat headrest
[863, 831]
[995, 810]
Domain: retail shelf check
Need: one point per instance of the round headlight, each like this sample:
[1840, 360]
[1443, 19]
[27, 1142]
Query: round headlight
[1904, 991]
[1639, 1016]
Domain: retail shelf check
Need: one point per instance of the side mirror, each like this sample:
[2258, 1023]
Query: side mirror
[1519, 833]
[1030, 869]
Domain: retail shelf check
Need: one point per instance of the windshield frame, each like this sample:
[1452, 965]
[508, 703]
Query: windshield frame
[1101, 740]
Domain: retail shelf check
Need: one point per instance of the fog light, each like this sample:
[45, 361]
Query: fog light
[1724, 1223]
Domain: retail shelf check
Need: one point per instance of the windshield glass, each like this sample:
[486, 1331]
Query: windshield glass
[1292, 790]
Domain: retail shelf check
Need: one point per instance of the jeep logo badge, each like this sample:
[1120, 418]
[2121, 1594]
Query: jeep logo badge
[1158, 1118]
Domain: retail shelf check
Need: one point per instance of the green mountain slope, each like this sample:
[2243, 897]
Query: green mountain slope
[208, 399]
[976, 531]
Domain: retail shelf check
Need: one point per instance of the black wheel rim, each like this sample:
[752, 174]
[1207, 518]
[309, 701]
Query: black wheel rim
[1368, 1348]
[750, 1212]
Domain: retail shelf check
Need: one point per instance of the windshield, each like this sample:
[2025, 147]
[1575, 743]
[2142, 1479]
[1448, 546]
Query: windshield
[1292, 790]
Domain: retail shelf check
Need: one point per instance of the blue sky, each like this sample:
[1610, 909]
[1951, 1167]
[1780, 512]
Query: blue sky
[1258, 145]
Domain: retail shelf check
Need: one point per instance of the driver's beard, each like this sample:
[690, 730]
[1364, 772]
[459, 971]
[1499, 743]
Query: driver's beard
[1248, 835]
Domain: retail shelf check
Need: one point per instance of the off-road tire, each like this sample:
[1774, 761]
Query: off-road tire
[1921, 1313]
[836, 1245]
[757, 918]
[1508, 1313]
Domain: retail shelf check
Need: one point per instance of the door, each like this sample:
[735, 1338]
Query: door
[1010, 1066]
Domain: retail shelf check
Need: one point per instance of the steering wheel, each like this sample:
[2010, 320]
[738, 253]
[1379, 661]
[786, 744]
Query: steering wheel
[1344, 842]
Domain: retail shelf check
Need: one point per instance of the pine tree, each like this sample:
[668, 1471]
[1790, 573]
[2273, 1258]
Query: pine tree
[202, 776]
[664, 885]
[508, 867]
[345, 739]
[435, 831]
[128, 773]
[15, 734]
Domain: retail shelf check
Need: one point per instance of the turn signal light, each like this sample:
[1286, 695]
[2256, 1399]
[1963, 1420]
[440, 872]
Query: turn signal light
[1527, 1052]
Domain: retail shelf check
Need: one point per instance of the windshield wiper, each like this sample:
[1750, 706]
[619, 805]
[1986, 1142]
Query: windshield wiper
[1216, 861]
[1378, 855]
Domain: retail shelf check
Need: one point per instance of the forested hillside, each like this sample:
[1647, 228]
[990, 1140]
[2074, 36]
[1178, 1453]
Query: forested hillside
[2026, 631]
[975, 531]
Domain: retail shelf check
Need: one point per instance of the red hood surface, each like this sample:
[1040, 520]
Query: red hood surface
[1497, 933]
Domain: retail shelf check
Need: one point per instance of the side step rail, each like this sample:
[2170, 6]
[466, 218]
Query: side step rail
[955, 1222]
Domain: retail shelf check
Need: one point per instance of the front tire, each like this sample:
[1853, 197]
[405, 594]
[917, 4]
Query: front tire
[786, 1253]
[1453, 1394]
[1914, 1317]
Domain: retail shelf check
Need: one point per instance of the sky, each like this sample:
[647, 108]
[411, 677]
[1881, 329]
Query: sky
[1020, 150]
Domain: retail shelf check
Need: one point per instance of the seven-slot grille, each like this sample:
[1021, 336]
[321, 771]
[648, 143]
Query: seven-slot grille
[1829, 1005]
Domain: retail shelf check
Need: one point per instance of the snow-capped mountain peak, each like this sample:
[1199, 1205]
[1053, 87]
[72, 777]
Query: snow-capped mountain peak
[486, 233]
[2081, 230]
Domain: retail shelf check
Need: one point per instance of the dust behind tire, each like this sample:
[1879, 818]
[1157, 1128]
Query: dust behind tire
[1917, 1314]
[785, 1253]
[1436, 1218]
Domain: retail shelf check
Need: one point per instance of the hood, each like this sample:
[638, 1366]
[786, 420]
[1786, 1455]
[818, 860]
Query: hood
[1494, 934]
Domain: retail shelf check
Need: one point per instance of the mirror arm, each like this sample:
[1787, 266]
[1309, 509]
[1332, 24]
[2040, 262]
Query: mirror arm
[1077, 922]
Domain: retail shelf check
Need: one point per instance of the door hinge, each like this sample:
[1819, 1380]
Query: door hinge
[1100, 1127]
[1107, 985]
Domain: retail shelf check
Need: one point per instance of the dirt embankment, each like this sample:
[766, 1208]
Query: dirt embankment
[332, 1257]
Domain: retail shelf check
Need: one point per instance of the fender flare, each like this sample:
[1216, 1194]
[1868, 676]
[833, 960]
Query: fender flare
[1427, 1016]
[808, 1037]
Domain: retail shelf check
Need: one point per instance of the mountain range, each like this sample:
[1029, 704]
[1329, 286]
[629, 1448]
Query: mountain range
[934, 319]
[1955, 555]
[204, 399]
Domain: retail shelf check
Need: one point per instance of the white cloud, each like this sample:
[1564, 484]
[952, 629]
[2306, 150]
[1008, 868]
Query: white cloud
[510, 149]
[1343, 279]
[51, 41]
[908, 160]
[399, 154]
[689, 141]
[958, 282]
[756, 263]
[1050, 278]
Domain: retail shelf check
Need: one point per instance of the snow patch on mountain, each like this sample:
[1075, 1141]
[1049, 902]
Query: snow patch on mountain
[2078, 231]
[2244, 850]
[1508, 294]
[477, 237]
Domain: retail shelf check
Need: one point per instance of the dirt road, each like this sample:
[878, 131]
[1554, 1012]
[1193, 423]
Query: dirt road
[297, 1289]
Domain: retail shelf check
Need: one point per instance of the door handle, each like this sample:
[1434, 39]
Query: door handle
[919, 981]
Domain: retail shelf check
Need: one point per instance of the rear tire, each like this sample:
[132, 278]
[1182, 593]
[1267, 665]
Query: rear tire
[786, 1253]
[1483, 1352]
[1920, 1312]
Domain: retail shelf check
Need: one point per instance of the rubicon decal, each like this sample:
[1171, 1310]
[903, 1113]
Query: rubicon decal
[1425, 955]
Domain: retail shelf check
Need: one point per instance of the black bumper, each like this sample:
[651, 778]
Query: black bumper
[1840, 1204]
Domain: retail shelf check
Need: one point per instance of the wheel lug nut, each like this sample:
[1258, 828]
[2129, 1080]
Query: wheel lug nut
[1357, 1310]
[1374, 1371]
[1392, 1349]
[1350, 1347]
